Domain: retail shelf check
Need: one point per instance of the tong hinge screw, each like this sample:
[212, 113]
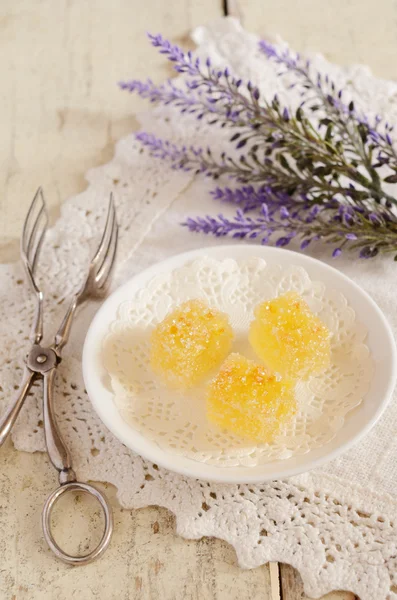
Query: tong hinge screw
[41, 359]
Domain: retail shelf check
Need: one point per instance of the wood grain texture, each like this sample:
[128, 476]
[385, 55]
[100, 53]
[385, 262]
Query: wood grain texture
[61, 111]
[292, 587]
[345, 31]
[145, 561]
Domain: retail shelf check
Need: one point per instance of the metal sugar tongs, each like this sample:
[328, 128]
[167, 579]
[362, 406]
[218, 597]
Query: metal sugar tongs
[43, 362]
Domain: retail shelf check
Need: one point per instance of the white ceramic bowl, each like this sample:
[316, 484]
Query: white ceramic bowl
[357, 424]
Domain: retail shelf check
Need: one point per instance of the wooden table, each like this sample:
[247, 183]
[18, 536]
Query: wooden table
[61, 113]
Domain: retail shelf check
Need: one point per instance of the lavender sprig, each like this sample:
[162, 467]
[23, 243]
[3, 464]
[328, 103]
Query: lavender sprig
[357, 131]
[206, 90]
[167, 93]
[315, 172]
[249, 198]
[317, 180]
[269, 133]
[368, 232]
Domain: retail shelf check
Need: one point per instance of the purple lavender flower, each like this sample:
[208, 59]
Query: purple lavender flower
[159, 148]
[251, 198]
[184, 62]
[315, 173]
[284, 213]
[285, 57]
[165, 93]
[269, 49]
[268, 223]
[375, 219]
[324, 89]
[282, 241]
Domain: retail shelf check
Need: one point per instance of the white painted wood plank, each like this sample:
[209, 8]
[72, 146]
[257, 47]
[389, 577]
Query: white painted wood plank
[345, 31]
[145, 561]
[292, 588]
[275, 582]
[61, 111]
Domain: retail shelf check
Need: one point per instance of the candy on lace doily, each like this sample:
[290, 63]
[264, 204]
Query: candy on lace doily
[248, 400]
[190, 342]
[289, 338]
[177, 420]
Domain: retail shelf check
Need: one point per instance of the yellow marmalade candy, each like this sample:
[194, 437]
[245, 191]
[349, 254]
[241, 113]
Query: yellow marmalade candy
[249, 401]
[289, 338]
[190, 342]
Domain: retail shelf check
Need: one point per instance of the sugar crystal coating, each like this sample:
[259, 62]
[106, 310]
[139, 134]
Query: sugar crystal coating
[289, 338]
[190, 342]
[248, 400]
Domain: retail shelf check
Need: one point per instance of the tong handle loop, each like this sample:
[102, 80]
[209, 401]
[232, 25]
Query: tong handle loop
[46, 523]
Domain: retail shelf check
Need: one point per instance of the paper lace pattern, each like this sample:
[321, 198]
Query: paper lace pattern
[177, 421]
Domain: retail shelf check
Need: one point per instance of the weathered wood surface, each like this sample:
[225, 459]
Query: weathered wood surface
[146, 559]
[291, 587]
[61, 109]
[345, 31]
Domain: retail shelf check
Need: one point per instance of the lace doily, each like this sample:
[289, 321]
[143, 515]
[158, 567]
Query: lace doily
[336, 525]
[177, 421]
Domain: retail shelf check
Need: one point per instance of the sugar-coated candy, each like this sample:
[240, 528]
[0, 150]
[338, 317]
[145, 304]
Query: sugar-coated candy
[249, 401]
[289, 338]
[190, 342]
